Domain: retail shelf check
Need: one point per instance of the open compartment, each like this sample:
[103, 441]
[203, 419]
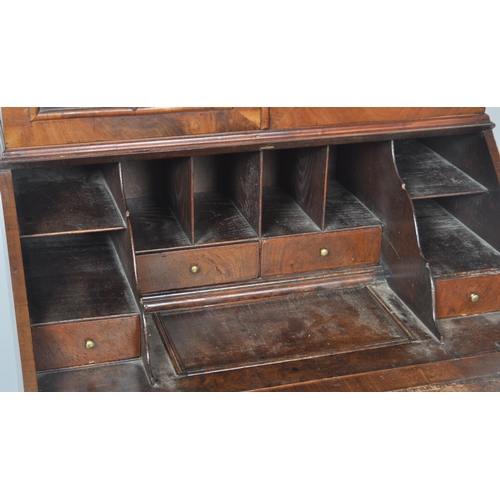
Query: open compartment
[428, 174]
[53, 201]
[465, 268]
[160, 201]
[302, 196]
[293, 193]
[82, 307]
[227, 198]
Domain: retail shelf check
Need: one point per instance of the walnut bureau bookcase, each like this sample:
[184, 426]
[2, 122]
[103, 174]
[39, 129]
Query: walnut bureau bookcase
[247, 249]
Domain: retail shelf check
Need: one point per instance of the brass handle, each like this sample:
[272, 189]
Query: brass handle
[474, 297]
[324, 252]
[90, 344]
[195, 269]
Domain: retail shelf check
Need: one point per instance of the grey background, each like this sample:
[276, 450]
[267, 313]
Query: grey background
[10, 365]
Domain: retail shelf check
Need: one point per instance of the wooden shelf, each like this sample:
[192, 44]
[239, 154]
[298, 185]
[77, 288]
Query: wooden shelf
[155, 226]
[449, 246]
[70, 200]
[345, 211]
[217, 220]
[281, 216]
[428, 175]
[71, 278]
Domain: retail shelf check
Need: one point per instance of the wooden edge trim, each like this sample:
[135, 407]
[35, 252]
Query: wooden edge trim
[406, 377]
[36, 115]
[259, 290]
[18, 284]
[252, 140]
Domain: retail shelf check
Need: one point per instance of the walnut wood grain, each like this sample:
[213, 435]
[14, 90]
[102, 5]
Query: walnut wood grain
[18, 283]
[302, 253]
[313, 117]
[220, 264]
[21, 130]
[248, 141]
[453, 295]
[64, 345]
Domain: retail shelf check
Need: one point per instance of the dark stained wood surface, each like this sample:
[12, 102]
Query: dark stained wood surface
[345, 211]
[369, 172]
[18, 282]
[57, 201]
[302, 253]
[449, 246]
[155, 226]
[282, 216]
[220, 264]
[179, 192]
[269, 331]
[64, 345]
[217, 220]
[242, 182]
[427, 174]
[303, 173]
[470, 153]
[75, 277]
[469, 349]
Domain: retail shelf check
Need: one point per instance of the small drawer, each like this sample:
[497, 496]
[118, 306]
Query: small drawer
[64, 345]
[316, 252]
[197, 267]
[467, 295]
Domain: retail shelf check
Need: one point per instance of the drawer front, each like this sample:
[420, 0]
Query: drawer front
[316, 252]
[65, 345]
[214, 265]
[454, 297]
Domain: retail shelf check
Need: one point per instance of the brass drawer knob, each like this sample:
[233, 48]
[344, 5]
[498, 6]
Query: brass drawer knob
[90, 344]
[474, 297]
[195, 269]
[324, 252]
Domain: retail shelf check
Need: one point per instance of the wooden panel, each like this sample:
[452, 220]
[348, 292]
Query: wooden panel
[453, 296]
[303, 173]
[179, 189]
[297, 254]
[22, 131]
[313, 117]
[245, 174]
[427, 174]
[71, 200]
[369, 172]
[64, 345]
[271, 331]
[18, 283]
[221, 264]
[75, 277]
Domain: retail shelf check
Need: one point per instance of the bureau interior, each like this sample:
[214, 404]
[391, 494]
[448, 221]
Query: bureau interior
[297, 228]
